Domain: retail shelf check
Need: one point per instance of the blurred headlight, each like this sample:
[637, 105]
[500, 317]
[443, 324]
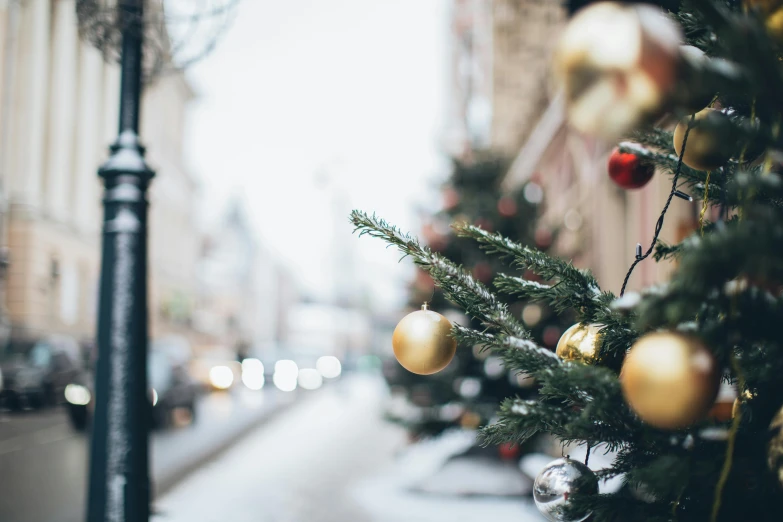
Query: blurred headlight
[252, 365]
[253, 374]
[310, 379]
[286, 367]
[284, 381]
[221, 377]
[329, 366]
[77, 395]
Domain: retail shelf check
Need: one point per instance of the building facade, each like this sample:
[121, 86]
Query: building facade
[244, 291]
[59, 113]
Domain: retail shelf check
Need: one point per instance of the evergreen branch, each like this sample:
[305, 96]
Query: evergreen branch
[750, 248]
[519, 354]
[520, 420]
[651, 137]
[664, 250]
[575, 288]
[560, 296]
[458, 286]
[692, 179]
[543, 265]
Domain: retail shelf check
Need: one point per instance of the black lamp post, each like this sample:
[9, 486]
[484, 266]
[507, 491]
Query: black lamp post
[119, 487]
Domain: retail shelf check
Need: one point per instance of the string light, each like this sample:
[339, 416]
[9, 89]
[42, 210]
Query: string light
[659, 224]
[704, 203]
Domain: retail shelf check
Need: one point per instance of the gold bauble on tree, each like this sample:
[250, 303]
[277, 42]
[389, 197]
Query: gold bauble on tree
[617, 65]
[423, 343]
[775, 446]
[670, 379]
[771, 12]
[579, 343]
[711, 140]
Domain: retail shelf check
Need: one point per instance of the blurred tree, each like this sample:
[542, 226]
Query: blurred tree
[467, 392]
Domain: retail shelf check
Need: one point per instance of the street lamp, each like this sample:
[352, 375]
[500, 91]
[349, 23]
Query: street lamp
[119, 485]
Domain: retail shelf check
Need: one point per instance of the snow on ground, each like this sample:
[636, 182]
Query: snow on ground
[333, 458]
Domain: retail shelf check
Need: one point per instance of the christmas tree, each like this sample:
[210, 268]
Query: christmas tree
[697, 94]
[467, 391]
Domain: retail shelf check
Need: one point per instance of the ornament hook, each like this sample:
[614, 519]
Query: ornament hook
[425, 306]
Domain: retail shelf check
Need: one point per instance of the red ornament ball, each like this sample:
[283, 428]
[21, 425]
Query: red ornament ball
[450, 198]
[484, 223]
[482, 271]
[509, 451]
[627, 170]
[507, 207]
[543, 237]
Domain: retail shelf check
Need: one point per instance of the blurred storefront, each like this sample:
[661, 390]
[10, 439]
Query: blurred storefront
[244, 291]
[502, 99]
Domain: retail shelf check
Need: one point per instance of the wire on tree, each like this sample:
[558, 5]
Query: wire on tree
[659, 224]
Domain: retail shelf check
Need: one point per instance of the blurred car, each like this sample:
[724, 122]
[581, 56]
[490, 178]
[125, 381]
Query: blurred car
[36, 372]
[170, 389]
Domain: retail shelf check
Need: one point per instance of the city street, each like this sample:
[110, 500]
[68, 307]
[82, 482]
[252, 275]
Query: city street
[333, 458]
[43, 460]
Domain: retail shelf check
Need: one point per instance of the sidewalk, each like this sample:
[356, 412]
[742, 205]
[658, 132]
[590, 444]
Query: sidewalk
[328, 459]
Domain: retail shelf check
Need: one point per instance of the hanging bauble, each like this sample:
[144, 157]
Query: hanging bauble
[628, 171]
[543, 237]
[509, 451]
[711, 140]
[450, 198]
[557, 483]
[507, 207]
[670, 379]
[579, 343]
[775, 446]
[617, 65]
[423, 343]
[470, 420]
[771, 12]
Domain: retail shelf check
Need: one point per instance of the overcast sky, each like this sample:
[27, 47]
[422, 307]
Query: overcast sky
[350, 90]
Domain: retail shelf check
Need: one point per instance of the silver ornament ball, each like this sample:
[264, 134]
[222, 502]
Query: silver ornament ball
[557, 483]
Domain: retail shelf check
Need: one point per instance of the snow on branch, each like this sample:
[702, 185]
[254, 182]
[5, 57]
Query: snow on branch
[458, 285]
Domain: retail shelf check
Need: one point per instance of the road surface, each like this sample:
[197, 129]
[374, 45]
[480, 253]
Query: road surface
[332, 458]
[43, 461]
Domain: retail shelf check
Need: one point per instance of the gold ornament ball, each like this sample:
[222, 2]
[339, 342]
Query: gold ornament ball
[579, 343]
[774, 24]
[711, 140]
[617, 65]
[470, 420]
[670, 379]
[771, 12]
[775, 446]
[423, 343]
